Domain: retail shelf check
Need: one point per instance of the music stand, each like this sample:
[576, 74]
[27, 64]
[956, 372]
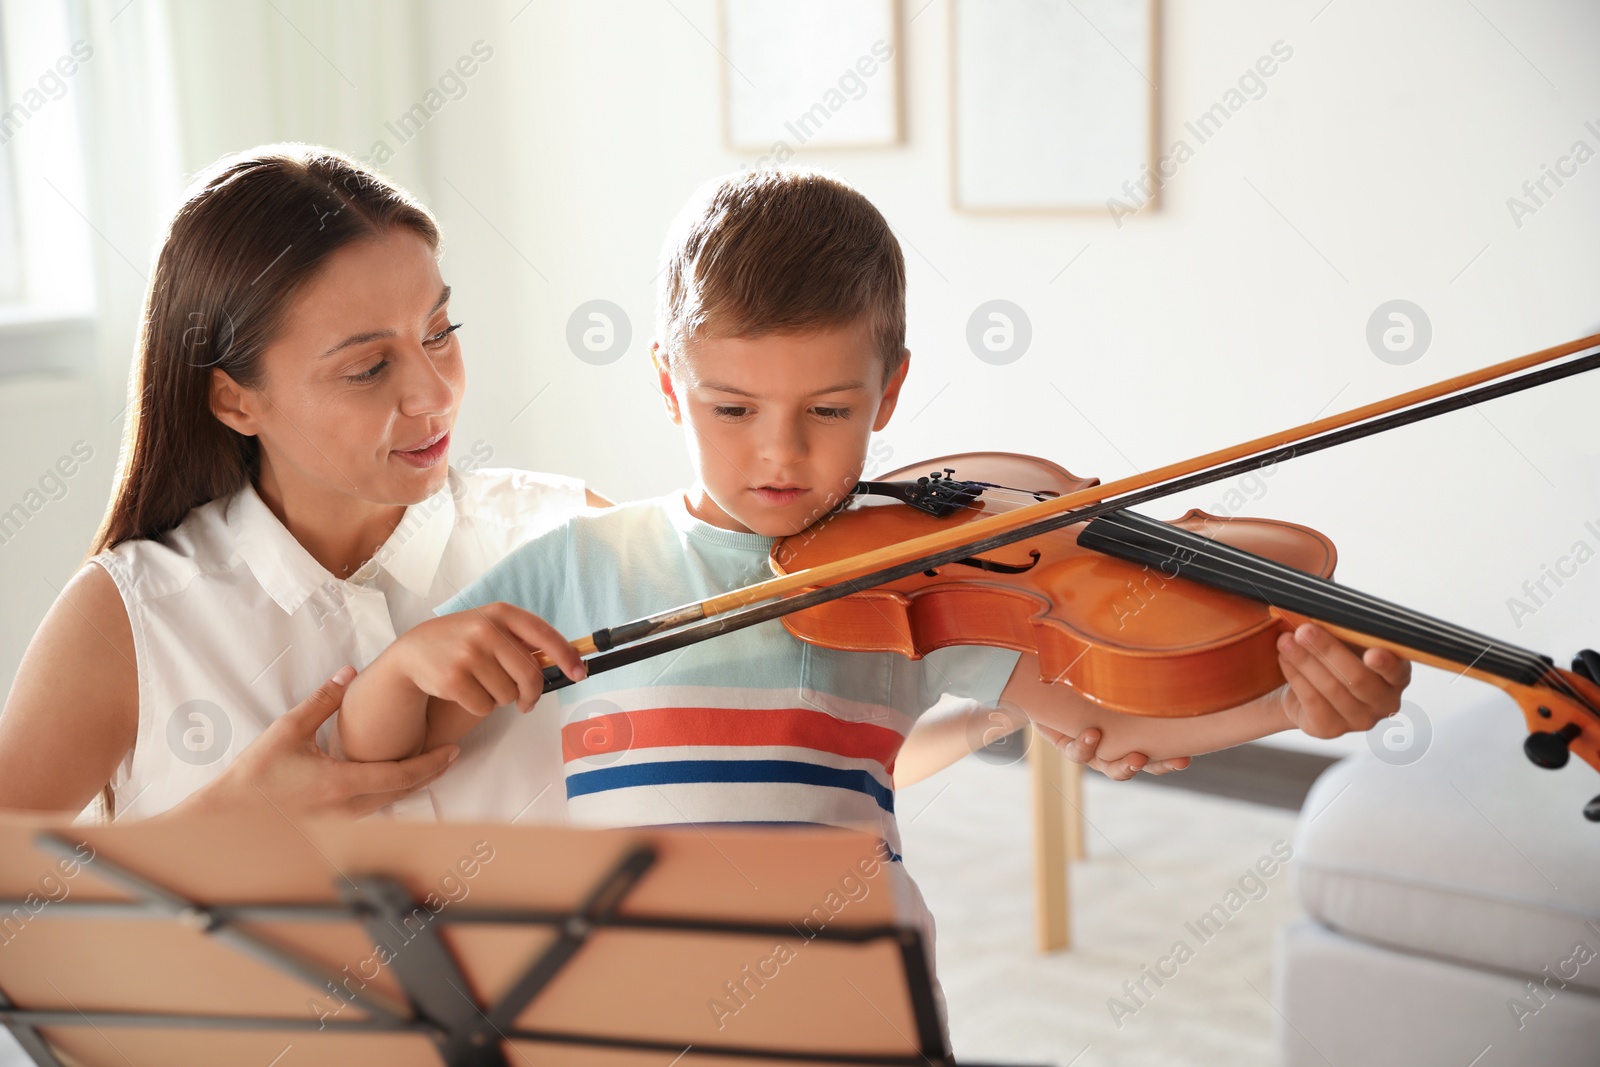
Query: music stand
[211, 940]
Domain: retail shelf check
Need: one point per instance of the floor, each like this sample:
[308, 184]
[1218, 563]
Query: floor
[1158, 859]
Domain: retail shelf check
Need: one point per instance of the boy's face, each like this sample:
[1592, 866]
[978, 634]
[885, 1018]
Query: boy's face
[777, 425]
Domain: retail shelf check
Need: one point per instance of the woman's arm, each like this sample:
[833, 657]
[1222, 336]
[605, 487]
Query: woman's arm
[73, 714]
[73, 710]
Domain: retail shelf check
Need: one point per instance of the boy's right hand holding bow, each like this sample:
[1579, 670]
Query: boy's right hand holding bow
[441, 677]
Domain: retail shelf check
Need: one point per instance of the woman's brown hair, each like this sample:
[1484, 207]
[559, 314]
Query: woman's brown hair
[253, 231]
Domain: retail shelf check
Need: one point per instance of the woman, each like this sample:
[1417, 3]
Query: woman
[284, 508]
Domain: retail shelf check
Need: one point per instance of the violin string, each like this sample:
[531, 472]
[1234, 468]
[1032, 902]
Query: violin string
[1325, 592]
[1470, 646]
[1466, 640]
[1555, 680]
[1543, 673]
[1384, 610]
[1377, 609]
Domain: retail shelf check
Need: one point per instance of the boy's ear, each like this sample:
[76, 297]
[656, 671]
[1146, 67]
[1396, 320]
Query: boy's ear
[891, 391]
[669, 393]
[232, 404]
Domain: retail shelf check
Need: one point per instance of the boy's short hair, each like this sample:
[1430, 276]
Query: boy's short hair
[769, 250]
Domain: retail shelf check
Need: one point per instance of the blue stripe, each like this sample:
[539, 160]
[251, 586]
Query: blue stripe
[683, 772]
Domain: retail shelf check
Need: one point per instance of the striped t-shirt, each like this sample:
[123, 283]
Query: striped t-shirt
[752, 726]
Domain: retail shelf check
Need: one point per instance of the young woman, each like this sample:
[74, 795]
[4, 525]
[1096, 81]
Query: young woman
[284, 508]
[285, 505]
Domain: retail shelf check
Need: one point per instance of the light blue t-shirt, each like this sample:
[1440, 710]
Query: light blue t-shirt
[751, 726]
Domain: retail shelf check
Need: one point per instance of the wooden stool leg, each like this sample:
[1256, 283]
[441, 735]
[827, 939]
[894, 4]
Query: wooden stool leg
[1052, 842]
[1074, 805]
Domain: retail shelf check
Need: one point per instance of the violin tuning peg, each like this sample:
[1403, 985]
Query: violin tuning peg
[1550, 749]
[1587, 663]
[1591, 810]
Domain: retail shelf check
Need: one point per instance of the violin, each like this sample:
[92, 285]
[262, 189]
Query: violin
[1132, 637]
[1140, 616]
[987, 555]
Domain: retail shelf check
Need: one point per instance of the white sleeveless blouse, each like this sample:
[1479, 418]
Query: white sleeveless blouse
[234, 623]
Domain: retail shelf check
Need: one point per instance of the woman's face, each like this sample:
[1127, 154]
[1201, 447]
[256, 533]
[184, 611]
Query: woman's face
[360, 390]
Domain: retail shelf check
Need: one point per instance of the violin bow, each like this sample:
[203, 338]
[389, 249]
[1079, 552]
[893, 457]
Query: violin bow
[617, 646]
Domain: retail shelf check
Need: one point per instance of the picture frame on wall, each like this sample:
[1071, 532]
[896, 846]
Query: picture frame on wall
[810, 74]
[1053, 106]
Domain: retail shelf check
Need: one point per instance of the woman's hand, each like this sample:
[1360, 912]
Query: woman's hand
[1081, 749]
[286, 769]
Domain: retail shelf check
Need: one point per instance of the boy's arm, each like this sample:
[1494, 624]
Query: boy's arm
[441, 676]
[944, 735]
[1332, 690]
[447, 723]
[384, 714]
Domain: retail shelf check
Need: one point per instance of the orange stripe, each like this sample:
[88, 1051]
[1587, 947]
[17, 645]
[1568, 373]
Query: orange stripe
[730, 727]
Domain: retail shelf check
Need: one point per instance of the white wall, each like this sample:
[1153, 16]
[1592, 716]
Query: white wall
[1376, 166]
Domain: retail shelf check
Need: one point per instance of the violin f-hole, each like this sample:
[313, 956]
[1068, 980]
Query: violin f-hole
[996, 567]
[993, 566]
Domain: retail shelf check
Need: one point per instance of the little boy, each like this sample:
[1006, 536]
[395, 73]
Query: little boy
[780, 349]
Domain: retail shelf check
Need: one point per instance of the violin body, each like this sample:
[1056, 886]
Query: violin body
[1132, 638]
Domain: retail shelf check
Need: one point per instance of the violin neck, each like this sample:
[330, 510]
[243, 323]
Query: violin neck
[1175, 551]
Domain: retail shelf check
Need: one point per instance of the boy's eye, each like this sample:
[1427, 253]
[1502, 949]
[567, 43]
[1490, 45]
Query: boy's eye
[439, 339]
[831, 413]
[729, 411]
[368, 375]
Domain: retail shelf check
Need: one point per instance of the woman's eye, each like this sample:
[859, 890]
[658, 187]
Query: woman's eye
[438, 340]
[368, 375]
[728, 411]
[831, 413]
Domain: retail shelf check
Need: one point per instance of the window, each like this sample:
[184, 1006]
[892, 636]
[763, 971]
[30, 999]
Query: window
[46, 280]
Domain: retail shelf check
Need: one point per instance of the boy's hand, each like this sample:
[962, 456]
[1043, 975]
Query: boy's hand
[1081, 749]
[484, 657]
[1333, 688]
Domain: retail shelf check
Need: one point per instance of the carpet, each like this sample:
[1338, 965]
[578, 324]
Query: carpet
[1172, 922]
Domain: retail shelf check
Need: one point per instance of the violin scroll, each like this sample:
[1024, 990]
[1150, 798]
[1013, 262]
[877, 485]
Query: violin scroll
[1563, 719]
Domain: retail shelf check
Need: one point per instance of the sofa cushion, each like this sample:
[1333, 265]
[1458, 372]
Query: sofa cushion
[1470, 853]
[1354, 1004]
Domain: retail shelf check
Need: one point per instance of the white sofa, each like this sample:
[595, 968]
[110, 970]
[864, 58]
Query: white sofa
[1454, 908]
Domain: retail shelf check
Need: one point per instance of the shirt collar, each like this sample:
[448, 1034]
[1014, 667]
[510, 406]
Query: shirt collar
[288, 573]
[291, 575]
[677, 508]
